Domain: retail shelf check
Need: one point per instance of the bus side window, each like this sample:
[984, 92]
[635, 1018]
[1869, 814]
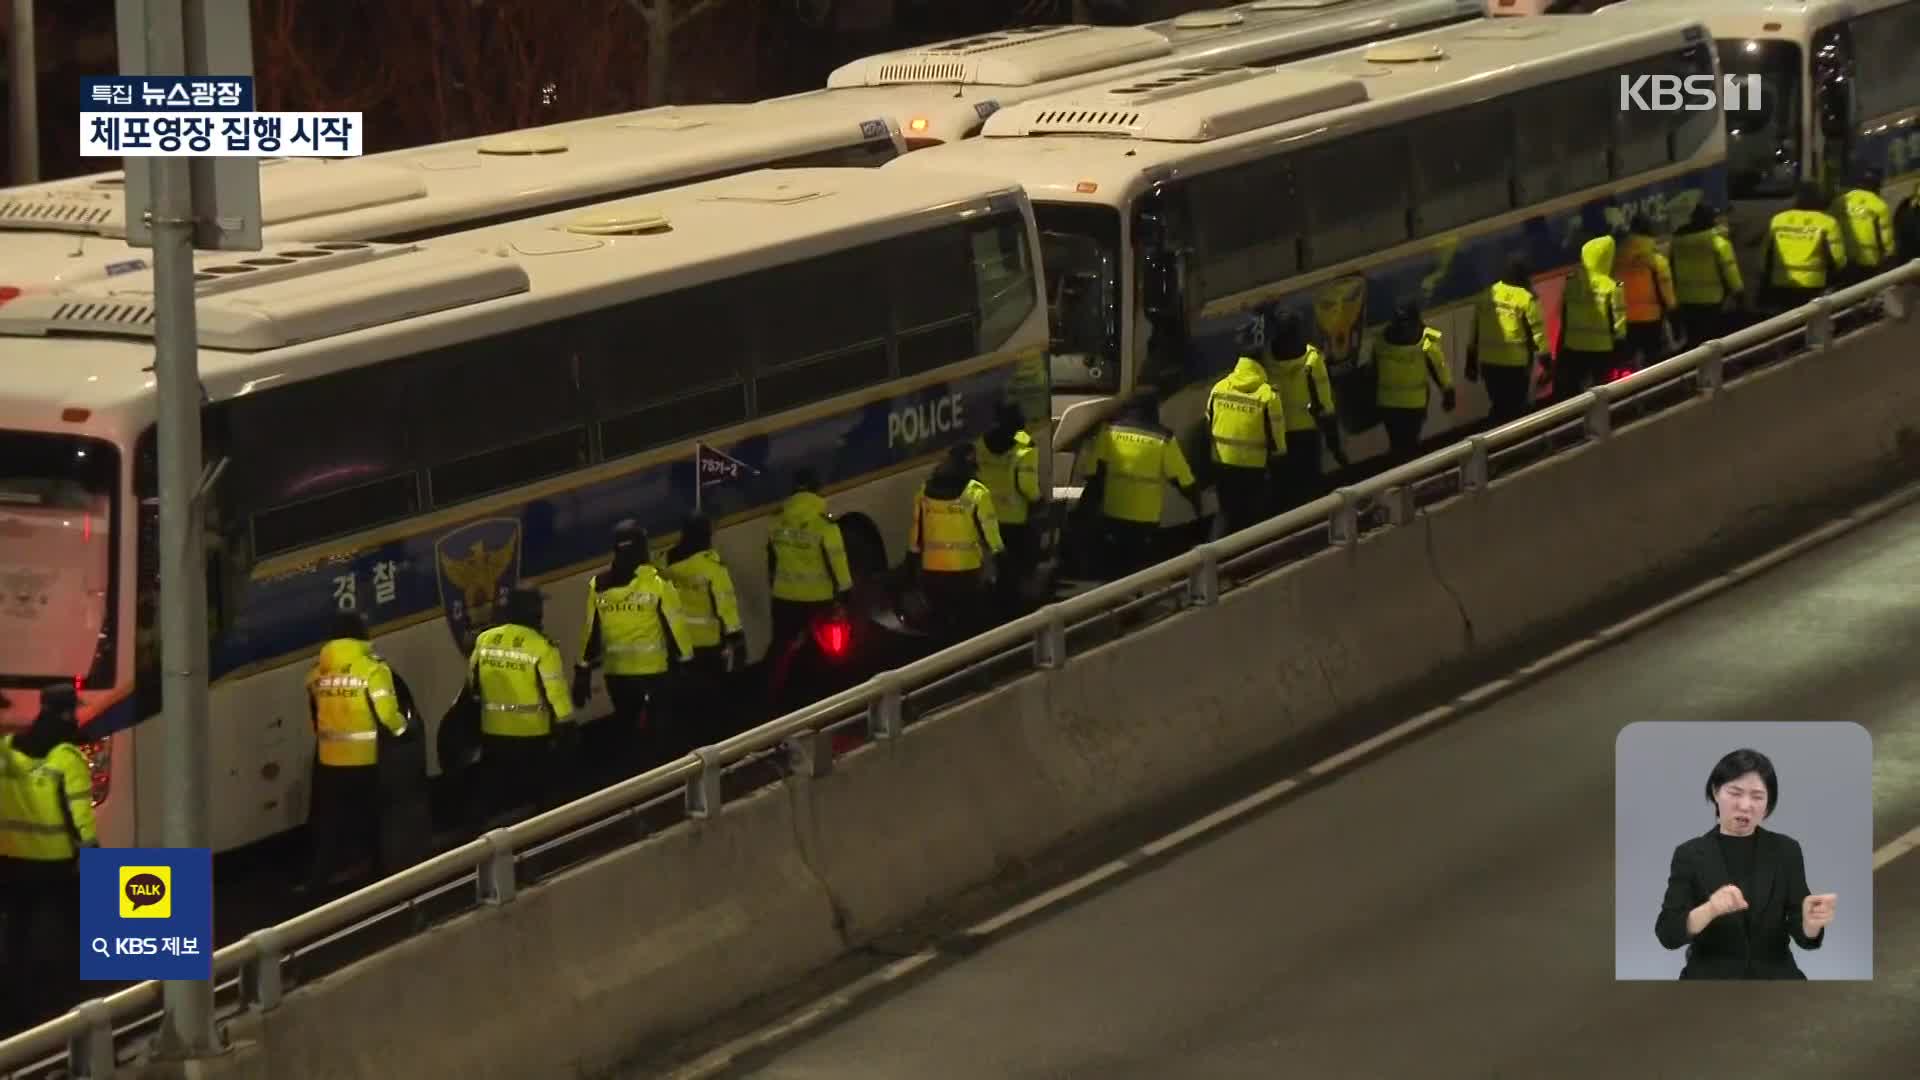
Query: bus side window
[1247, 227]
[1832, 64]
[1356, 192]
[1462, 168]
[1003, 277]
[1883, 46]
[666, 368]
[1563, 138]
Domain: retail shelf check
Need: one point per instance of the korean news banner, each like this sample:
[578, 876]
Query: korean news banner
[202, 116]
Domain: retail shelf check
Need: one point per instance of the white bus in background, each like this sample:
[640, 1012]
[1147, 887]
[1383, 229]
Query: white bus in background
[1177, 205]
[1840, 88]
[73, 230]
[410, 428]
[944, 92]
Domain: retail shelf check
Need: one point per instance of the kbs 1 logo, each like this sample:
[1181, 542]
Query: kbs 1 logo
[1695, 93]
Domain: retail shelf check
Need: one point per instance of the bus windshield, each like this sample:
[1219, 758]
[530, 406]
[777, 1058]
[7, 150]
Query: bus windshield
[1764, 147]
[57, 496]
[1080, 249]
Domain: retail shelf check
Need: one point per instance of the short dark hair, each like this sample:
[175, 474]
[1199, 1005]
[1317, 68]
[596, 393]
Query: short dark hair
[1739, 763]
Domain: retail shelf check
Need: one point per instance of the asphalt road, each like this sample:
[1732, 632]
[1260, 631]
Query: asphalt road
[1447, 909]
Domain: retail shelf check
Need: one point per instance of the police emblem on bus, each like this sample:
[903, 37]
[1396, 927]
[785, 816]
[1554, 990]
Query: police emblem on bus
[476, 564]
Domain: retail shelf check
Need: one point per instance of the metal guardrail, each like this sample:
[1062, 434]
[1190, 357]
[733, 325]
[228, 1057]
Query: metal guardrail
[93, 1037]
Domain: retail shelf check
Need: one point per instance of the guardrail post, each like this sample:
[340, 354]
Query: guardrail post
[1343, 528]
[1203, 581]
[91, 1052]
[703, 789]
[1050, 644]
[499, 882]
[1400, 504]
[261, 985]
[1599, 414]
[810, 754]
[1897, 301]
[1474, 467]
[1711, 376]
[884, 711]
[1820, 326]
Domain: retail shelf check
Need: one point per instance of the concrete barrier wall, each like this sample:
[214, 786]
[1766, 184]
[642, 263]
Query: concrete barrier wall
[611, 957]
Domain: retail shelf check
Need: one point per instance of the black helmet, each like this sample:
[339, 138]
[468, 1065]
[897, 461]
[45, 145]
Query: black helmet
[628, 535]
[351, 625]
[525, 606]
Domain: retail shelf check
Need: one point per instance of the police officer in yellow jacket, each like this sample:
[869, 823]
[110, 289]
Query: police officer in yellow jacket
[521, 683]
[1646, 279]
[1132, 460]
[1509, 335]
[1298, 372]
[806, 561]
[954, 537]
[1246, 431]
[1009, 464]
[1593, 321]
[1706, 278]
[634, 630]
[1805, 249]
[710, 609]
[1405, 359]
[46, 817]
[352, 700]
[1867, 226]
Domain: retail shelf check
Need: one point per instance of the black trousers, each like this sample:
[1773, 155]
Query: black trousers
[1646, 343]
[1127, 546]
[1705, 322]
[790, 619]
[40, 901]
[640, 731]
[343, 821]
[957, 603]
[1243, 495]
[1575, 371]
[1509, 389]
[703, 707]
[1016, 567]
[1403, 432]
[1297, 476]
[518, 773]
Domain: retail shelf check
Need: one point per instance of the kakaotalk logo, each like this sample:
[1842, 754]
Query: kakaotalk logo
[146, 892]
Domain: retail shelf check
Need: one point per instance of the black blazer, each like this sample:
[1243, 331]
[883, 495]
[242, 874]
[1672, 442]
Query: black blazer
[1727, 948]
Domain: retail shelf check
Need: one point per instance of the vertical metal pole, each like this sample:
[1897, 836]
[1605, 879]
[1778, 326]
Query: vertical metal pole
[24, 81]
[187, 1028]
[699, 481]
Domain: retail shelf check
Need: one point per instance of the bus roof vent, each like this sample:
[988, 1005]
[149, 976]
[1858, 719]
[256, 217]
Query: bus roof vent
[1293, 5]
[1208, 20]
[769, 192]
[275, 310]
[1019, 57]
[1511, 30]
[523, 144]
[619, 221]
[1184, 105]
[1405, 52]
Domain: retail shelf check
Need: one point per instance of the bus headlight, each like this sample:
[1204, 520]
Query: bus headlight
[99, 757]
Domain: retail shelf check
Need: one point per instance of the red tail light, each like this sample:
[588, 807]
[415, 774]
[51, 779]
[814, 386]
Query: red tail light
[1619, 373]
[834, 635]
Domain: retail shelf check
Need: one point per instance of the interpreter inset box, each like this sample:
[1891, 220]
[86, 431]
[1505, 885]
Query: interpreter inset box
[1743, 850]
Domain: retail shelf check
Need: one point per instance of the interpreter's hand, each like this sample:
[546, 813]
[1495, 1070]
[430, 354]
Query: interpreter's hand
[1816, 912]
[1726, 900]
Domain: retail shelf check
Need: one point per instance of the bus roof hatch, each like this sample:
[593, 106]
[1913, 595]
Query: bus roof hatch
[1019, 57]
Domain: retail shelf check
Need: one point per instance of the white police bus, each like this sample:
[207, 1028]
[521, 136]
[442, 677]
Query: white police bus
[1335, 187]
[409, 428]
[1840, 89]
[943, 92]
[69, 231]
